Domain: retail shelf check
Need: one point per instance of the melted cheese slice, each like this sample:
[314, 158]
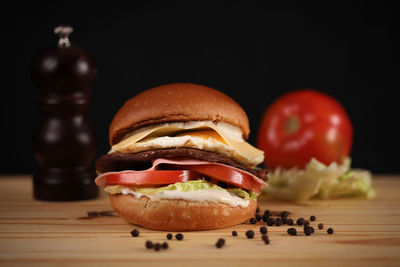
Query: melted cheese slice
[205, 134]
[216, 137]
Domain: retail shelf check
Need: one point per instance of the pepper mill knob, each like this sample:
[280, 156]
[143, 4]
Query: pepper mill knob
[63, 31]
[64, 143]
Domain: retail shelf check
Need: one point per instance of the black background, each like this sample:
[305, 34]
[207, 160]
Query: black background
[251, 52]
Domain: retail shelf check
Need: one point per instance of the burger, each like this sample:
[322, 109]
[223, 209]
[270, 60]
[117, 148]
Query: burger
[179, 160]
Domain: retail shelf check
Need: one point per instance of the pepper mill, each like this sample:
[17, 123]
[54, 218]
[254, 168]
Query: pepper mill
[64, 143]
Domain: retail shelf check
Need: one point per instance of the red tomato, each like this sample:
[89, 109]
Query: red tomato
[151, 177]
[221, 173]
[304, 124]
[225, 174]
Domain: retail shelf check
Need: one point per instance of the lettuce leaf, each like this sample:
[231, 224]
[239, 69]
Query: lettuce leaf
[320, 181]
[193, 185]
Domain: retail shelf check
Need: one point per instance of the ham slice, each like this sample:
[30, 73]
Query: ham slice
[101, 180]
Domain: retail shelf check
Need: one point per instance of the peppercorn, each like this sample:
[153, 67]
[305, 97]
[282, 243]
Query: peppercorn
[135, 233]
[307, 230]
[312, 229]
[220, 243]
[267, 212]
[258, 209]
[263, 230]
[300, 221]
[306, 223]
[278, 222]
[292, 231]
[149, 244]
[284, 214]
[179, 236]
[266, 241]
[320, 226]
[290, 221]
[250, 234]
[164, 245]
[157, 246]
[264, 237]
[265, 218]
[234, 233]
[258, 217]
[284, 220]
[312, 218]
[253, 221]
[330, 231]
[270, 221]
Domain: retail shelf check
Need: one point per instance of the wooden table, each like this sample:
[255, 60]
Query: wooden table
[367, 232]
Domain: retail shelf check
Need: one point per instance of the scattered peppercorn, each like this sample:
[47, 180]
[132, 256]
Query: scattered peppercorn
[179, 236]
[258, 217]
[290, 221]
[169, 236]
[220, 243]
[284, 220]
[312, 229]
[270, 221]
[164, 245]
[253, 221]
[135, 233]
[264, 237]
[320, 226]
[266, 241]
[157, 246]
[149, 244]
[234, 233]
[292, 231]
[267, 212]
[312, 218]
[300, 221]
[330, 231]
[249, 234]
[307, 231]
[306, 223]
[263, 230]
[265, 218]
[278, 222]
[284, 214]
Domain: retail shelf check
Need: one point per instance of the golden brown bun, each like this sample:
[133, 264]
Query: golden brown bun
[177, 102]
[179, 215]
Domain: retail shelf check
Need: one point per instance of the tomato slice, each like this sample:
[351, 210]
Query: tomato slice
[172, 173]
[224, 174]
[159, 177]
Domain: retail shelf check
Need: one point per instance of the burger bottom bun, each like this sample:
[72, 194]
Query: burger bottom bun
[179, 215]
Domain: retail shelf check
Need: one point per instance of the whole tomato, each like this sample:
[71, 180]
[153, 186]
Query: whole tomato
[304, 124]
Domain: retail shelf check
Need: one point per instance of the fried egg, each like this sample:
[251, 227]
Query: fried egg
[204, 138]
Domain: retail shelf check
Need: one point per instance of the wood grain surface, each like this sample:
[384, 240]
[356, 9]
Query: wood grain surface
[36, 233]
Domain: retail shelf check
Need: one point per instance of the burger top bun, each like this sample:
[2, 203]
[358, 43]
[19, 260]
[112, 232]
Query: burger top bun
[177, 102]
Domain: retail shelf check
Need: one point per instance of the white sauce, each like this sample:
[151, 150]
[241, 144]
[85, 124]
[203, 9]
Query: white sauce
[215, 196]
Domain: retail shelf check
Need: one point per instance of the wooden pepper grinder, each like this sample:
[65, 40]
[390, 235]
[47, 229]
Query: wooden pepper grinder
[64, 144]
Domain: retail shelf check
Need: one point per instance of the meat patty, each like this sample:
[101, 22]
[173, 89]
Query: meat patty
[143, 160]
